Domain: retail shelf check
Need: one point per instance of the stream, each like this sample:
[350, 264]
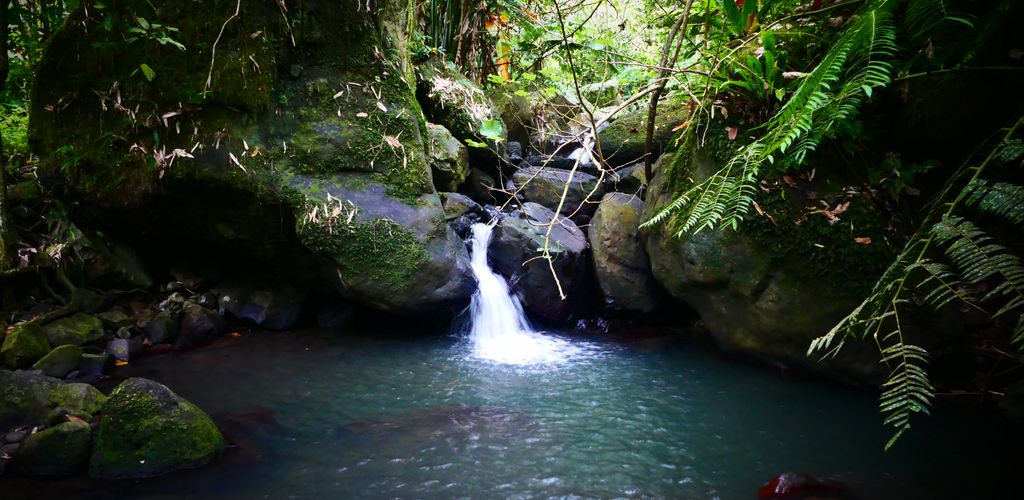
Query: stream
[389, 414]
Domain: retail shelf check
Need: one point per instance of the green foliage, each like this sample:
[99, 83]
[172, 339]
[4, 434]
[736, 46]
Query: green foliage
[856, 63]
[972, 260]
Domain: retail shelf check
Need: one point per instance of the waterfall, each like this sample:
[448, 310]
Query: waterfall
[500, 331]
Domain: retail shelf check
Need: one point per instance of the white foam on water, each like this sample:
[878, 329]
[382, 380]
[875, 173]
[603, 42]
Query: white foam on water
[500, 331]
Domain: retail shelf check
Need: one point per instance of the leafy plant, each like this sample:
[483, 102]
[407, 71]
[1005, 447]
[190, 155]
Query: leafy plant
[971, 260]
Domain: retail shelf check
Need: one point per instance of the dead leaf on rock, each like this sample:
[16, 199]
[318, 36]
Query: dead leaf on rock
[863, 240]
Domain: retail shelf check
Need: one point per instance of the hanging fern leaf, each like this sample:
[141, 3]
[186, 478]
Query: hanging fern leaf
[1000, 199]
[975, 258]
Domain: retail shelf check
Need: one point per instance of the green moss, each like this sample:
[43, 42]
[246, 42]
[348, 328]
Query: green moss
[82, 397]
[380, 250]
[148, 430]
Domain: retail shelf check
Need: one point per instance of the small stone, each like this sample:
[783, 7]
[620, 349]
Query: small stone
[7, 450]
[295, 70]
[175, 286]
[123, 333]
[197, 322]
[93, 365]
[119, 349]
[16, 436]
[207, 300]
[115, 319]
[174, 299]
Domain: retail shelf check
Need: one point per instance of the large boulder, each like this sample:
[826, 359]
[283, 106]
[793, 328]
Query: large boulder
[545, 186]
[148, 430]
[24, 344]
[514, 252]
[766, 290]
[54, 451]
[622, 141]
[620, 263]
[78, 329]
[449, 160]
[309, 157]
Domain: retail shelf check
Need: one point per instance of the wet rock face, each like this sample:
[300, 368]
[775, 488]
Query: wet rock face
[449, 159]
[514, 253]
[545, 185]
[268, 305]
[321, 172]
[620, 262]
[750, 302]
[148, 430]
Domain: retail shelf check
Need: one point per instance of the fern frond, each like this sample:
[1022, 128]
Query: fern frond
[979, 259]
[1001, 199]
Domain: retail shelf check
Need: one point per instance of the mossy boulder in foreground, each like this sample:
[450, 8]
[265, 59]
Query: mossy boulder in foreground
[59, 450]
[148, 430]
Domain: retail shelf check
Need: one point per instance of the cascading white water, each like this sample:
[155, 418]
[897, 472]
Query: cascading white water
[500, 331]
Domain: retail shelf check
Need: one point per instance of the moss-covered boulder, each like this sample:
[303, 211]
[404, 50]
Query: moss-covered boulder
[769, 288]
[148, 430]
[449, 160]
[60, 361]
[78, 329]
[25, 397]
[54, 451]
[24, 344]
[77, 398]
[514, 253]
[545, 186]
[620, 263]
[622, 141]
[309, 157]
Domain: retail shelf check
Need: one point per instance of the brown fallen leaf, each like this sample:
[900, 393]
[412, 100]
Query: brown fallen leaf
[733, 132]
[72, 418]
[681, 126]
[863, 240]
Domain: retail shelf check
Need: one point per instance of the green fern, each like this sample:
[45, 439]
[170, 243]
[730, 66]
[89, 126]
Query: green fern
[857, 63]
[974, 258]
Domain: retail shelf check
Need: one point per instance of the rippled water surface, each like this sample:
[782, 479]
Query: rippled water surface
[322, 415]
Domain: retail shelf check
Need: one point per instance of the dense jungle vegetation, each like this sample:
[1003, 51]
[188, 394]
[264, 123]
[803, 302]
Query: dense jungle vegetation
[906, 107]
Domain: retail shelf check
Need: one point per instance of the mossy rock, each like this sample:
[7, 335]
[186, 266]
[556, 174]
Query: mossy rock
[148, 430]
[449, 160]
[621, 266]
[79, 329]
[271, 145]
[60, 361]
[54, 451]
[765, 297]
[82, 398]
[622, 141]
[24, 344]
[545, 185]
[25, 397]
[450, 99]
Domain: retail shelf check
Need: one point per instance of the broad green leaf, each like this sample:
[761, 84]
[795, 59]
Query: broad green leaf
[492, 129]
[146, 70]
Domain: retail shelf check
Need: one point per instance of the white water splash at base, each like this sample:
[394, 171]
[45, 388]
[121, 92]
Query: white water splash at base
[500, 331]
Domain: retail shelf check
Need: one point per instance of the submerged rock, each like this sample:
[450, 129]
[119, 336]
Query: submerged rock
[148, 430]
[514, 252]
[273, 306]
[24, 344]
[622, 268]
